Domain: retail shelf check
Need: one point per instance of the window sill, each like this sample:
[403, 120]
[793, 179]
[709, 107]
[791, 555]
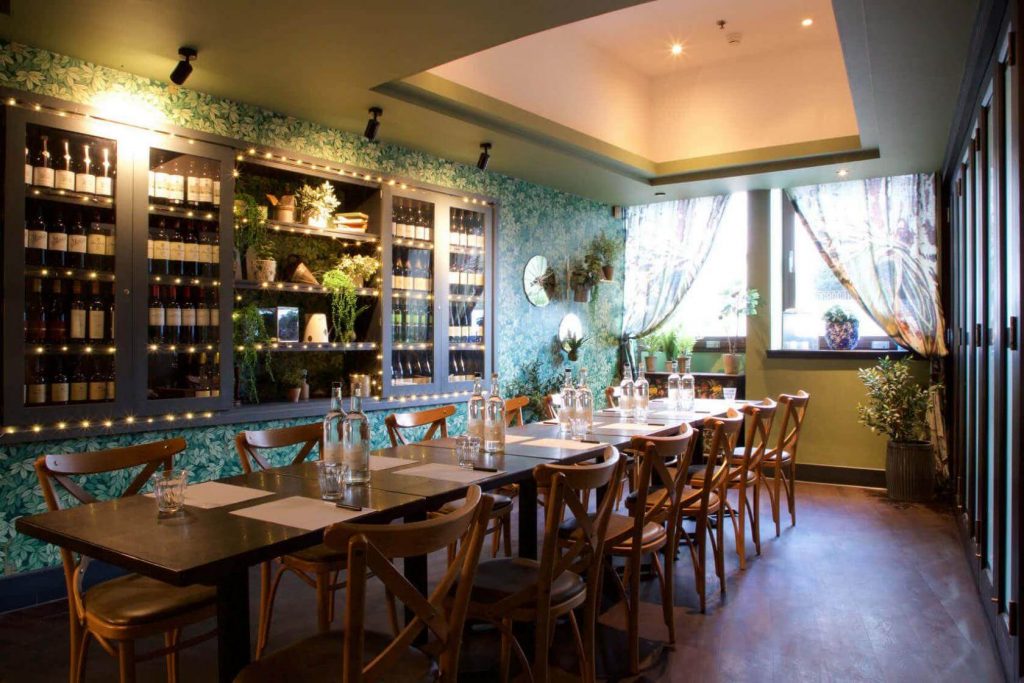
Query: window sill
[859, 354]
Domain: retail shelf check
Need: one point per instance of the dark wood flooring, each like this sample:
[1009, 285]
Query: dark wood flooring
[861, 589]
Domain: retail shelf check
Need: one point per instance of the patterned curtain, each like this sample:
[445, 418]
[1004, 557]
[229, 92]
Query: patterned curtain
[666, 246]
[878, 237]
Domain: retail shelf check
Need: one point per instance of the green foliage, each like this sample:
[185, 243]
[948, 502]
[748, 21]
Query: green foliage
[839, 315]
[359, 266]
[572, 345]
[670, 344]
[250, 223]
[653, 343]
[897, 405]
[585, 273]
[604, 249]
[739, 303]
[292, 377]
[248, 331]
[532, 384]
[319, 199]
[345, 306]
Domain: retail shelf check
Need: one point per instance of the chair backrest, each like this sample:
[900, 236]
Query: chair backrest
[437, 418]
[56, 471]
[609, 397]
[373, 547]
[514, 410]
[249, 444]
[552, 404]
[794, 409]
[759, 426]
[725, 432]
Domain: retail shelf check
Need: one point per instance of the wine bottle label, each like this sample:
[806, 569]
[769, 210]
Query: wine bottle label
[110, 390]
[85, 182]
[188, 317]
[27, 231]
[57, 241]
[104, 186]
[97, 244]
[64, 180]
[177, 250]
[202, 393]
[205, 253]
[214, 253]
[35, 394]
[78, 243]
[77, 323]
[216, 193]
[202, 317]
[59, 392]
[97, 324]
[191, 252]
[161, 250]
[179, 187]
[206, 190]
[173, 316]
[214, 317]
[98, 390]
[111, 244]
[28, 174]
[156, 316]
[79, 392]
[152, 184]
[161, 189]
[37, 239]
[192, 185]
[42, 175]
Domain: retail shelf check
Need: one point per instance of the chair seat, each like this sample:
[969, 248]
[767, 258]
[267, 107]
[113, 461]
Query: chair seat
[497, 579]
[773, 457]
[134, 600]
[320, 659]
[318, 554]
[618, 525]
[500, 504]
[691, 501]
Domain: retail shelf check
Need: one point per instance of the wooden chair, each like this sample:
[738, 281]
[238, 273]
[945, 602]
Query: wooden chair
[552, 404]
[609, 397]
[653, 525]
[514, 410]
[701, 503]
[782, 458]
[118, 612]
[539, 592]
[357, 654]
[743, 474]
[318, 567]
[437, 419]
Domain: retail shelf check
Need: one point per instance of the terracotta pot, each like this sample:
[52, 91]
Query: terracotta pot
[581, 295]
[652, 363]
[608, 272]
[286, 214]
[294, 394]
[909, 471]
[731, 363]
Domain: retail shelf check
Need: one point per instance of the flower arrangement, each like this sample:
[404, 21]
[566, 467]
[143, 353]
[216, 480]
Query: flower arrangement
[897, 405]
[316, 204]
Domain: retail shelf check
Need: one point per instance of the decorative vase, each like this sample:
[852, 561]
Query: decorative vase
[294, 394]
[304, 393]
[316, 328]
[265, 271]
[317, 219]
[909, 471]
[842, 336]
[581, 295]
[731, 363]
[608, 272]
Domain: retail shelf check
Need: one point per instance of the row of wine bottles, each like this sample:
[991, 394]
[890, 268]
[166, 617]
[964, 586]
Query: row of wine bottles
[465, 323]
[412, 270]
[50, 241]
[465, 274]
[412, 321]
[411, 367]
[183, 179]
[464, 365]
[190, 248]
[183, 315]
[412, 220]
[466, 228]
[59, 381]
[185, 375]
[54, 317]
[76, 170]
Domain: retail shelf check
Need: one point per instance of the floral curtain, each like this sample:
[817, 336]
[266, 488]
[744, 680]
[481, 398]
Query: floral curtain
[878, 237]
[666, 246]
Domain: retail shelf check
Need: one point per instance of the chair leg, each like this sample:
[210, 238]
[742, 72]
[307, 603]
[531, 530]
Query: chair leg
[791, 491]
[581, 650]
[171, 640]
[126, 660]
[776, 503]
[667, 599]
[720, 549]
[392, 612]
[263, 635]
[506, 649]
[634, 614]
[81, 655]
[741, 528]
[700, 567]
[755, 517]
[323, 597]
[506, 532]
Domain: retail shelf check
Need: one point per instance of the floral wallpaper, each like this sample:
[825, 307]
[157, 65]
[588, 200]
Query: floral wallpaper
[533, 220]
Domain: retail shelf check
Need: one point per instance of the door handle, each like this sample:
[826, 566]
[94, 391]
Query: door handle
[1011, 334]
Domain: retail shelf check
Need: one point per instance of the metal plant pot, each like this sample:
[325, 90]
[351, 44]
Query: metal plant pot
[909, 471]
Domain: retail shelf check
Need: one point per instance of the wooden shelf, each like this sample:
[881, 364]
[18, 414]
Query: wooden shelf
[459, 249]
[184, 280]
[297, 288]
[332, 233]
[69, 197]
[412, 346]
[292, 347]
[201, 347]
[98, 348]
[412, 243]
[189, 212]
[72, 273]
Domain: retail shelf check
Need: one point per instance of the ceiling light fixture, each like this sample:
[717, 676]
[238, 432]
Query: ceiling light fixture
[676, 49]
[184, 68]
[485, 156]
[373, 125]
[842, 173]
[659, 194]
[807, 22]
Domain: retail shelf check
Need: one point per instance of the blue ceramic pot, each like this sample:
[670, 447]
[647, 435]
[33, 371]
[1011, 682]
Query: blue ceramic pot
[842, 336]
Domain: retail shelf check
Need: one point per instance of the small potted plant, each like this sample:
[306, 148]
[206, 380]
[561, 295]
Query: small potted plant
[345, 306]
[738, 303]
[605, 250]
[316, 204]
[572, 345]
[291, 379]
[670, 345]
[897, 408]
[264, 263]
[360, 269]
[653, 346]
[686, 345]
[582, 278]
[842, 329]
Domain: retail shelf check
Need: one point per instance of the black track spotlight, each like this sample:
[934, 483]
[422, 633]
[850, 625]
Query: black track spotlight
[373, 125]
[184, 68]
[485, 156]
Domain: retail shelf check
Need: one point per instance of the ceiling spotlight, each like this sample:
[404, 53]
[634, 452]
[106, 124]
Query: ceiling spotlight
[807, 22]
[842, 172]
[676, 49]
[184, 68]
[373, 125]
[485, 156]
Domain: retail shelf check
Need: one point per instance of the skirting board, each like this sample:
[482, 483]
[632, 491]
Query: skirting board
[846, 476]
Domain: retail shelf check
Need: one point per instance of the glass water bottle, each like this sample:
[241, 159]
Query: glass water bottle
[627, 393]
[585, 400]
[355, 441]
[641, 395]
[494, 419]
[687, 389]
[332, 427]
[674, 389]
[568, 410]
[475, 411]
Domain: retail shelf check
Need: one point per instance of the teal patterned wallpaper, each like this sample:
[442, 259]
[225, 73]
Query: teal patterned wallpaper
[533, 220]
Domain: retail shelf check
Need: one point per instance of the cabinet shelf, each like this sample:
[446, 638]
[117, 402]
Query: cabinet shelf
[202, 347]
[69, 197]
[332, 233]
[412, 243]
[297, 288]
[410, 294]
[183, 212]
[71, 349]
[291, 347]
[460, 249]
[466, 346]
[465, 297]
[412, 346]
[184, 280]
[69, 273]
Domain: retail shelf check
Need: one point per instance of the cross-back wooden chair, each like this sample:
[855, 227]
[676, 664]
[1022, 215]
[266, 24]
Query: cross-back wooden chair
[514, 410]
[743, 473]
[437, 418]
[357, 654]
[662, 464]
[319, 567]
[781, 458]
[541, 591]
[700, 503]
[609, 397]
[552, 404]
[117, 612]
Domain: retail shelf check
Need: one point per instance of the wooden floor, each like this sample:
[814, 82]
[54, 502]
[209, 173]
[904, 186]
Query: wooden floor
[860, 589]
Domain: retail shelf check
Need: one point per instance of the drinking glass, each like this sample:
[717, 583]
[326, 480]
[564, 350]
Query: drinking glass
[579, 428]
[729, 393]
[169, 491]
[332, 479]
[465, 451]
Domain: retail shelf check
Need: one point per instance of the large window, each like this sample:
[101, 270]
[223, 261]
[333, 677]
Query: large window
[809, 289]
[724, 270]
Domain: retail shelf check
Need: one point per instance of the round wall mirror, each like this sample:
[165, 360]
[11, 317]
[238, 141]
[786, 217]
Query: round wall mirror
[571, 326]
[538, 281]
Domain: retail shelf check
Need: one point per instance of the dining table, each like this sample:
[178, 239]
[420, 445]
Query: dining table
[216, 543]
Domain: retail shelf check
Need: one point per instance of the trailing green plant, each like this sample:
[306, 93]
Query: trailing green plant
[316, 199]
[897, 405]
[248, 332]
[345, 306]
[604, 249]
[572, 345]
[739, 303]
[250, 223]
[266, 249]
[839, 315]
[359, 266]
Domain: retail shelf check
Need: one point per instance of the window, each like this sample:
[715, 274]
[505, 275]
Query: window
[725, 269]
[809, 289]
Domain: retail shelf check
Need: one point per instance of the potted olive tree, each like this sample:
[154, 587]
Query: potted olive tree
[739, 303]
[897, 408]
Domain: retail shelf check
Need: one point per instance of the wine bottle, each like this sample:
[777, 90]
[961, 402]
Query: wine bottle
[205, 186]
[60, 388]
[57, 316]
[190, 251]
[96, 246]
[159, 250]
[202, 317]
[97, 384]
[28, 166]
[156, 316]
[96, 326]
[78, 243]
[35, 385]
[204, 252]
[42, 169]
[36, 240]
[56, 241]
[78, 314]
[396, 320]
[192, 185]
[111, 242]
[105, 182]
[175, 250]
[187, 332]
[203, 378]
[172, 316]
[35, 313]
[111, 384]
[215, 369]
[214, 306]
[79, 389]
[85, 179]
[64, 178]
[214, 253]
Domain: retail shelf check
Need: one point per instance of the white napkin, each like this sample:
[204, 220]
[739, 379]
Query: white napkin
[300, 512]
[447, 473]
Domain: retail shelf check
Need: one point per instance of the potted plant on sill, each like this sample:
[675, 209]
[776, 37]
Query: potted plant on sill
[582, 278]
[263, 265]
[738, 303]
[604, 251]
[292, 379]
[670, 345]
[653, 348]
[345, 306]
[842, 329]
[360, 269]
[316, 204]
[250, 232]
[897, 408]
[572, 345]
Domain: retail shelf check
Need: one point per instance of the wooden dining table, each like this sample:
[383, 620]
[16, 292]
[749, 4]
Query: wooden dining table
[215, 547]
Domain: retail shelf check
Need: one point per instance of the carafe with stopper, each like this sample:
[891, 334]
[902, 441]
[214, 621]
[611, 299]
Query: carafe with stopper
[674, 389]
[568, 410]
[641, 395]
[494, 419]
[627, 393]
[355, 441]
[475, 410]
[585, 400]
[332, 426]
